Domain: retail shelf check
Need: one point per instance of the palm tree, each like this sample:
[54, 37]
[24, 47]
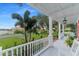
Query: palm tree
[25, 22]
[31, 25]
[43, 20]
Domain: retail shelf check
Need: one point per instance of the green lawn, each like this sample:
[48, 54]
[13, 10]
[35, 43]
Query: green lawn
[16, 40]
[38, 36]
[10, 41]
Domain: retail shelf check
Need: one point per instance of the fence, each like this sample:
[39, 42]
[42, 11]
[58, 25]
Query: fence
[28, 49]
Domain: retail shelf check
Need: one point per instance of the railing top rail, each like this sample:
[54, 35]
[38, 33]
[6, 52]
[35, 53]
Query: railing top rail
[24, 44]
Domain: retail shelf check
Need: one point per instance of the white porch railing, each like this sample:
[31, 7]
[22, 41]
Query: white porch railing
[28, 49]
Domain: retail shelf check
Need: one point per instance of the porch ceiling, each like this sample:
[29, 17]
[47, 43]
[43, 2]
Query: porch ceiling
[59, 10]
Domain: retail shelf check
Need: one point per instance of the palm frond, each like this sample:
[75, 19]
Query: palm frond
[26, 15]
[17, 16]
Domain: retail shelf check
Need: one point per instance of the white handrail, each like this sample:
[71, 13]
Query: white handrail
[23, 44]
[28, 49]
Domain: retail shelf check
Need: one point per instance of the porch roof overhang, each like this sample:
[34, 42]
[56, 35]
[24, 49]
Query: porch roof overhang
[57, 11]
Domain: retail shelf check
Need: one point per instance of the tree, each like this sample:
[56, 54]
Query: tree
[25, 22]
[43, 20]
[72, 26]
[31, 25]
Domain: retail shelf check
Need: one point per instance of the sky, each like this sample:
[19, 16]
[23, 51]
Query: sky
[7, 9]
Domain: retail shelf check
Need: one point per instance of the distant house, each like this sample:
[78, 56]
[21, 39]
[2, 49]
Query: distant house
[18, 28]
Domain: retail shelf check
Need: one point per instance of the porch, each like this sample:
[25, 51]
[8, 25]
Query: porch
[46, 46]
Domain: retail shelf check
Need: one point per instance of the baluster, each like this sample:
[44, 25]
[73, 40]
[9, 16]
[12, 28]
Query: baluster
[39, 46]
[30, 50]
[27, 49]
[24, 50]
[45, 43]
[42, 44]
[12, 52]
[6, 53]
[34, 48]
[21, 51]
[17, 52]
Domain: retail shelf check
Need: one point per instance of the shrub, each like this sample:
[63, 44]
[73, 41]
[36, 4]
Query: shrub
[69, 41]
[55, 34]
[18, 31]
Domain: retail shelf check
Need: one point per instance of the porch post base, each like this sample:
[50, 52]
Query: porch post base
[50, 38]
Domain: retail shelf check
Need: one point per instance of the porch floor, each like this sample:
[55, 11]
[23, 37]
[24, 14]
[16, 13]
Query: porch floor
[52, 51]
[56, 48]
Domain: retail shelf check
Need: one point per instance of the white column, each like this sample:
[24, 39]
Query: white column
[50, 32]
[59, 34]
[63, 28]
[62, 31]
[0, 51]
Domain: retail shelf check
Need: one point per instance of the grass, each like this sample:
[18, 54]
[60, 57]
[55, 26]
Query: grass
[38, 36]
[10, 42]
[16, 40]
